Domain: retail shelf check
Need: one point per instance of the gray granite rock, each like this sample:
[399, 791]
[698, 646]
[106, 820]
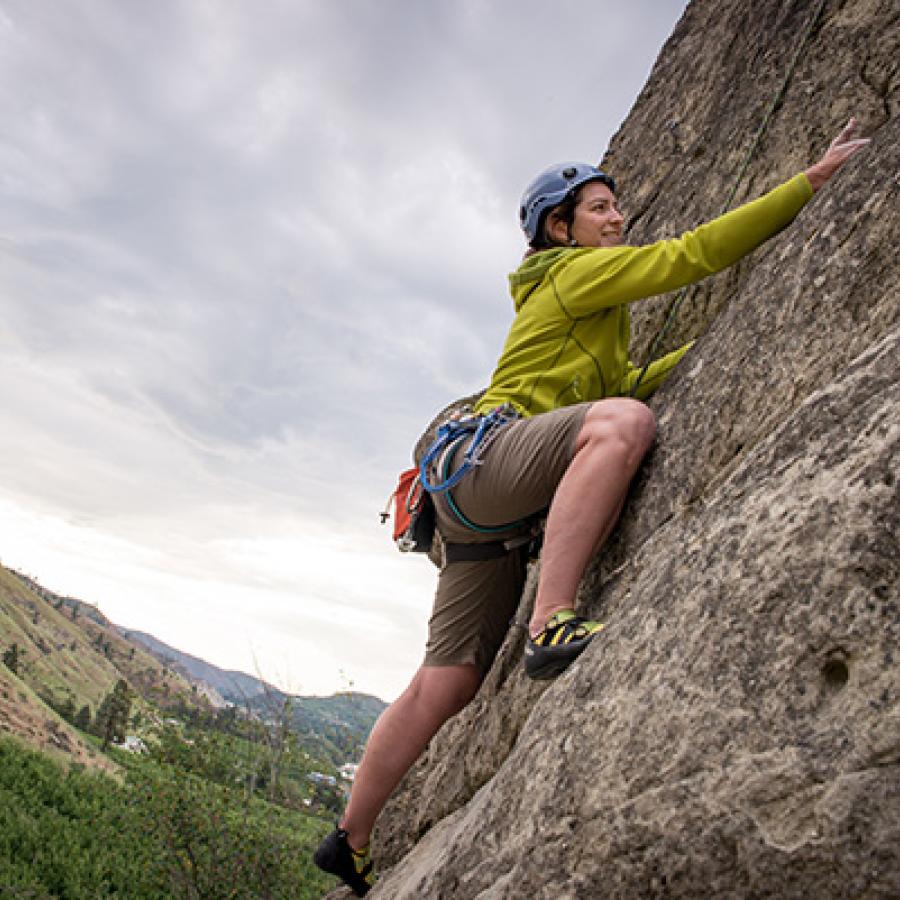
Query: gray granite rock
[735, 731]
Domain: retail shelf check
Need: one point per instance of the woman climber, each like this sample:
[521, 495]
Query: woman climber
[569, 443]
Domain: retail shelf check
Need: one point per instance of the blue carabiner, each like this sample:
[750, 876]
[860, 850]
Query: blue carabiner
[452, 432]
[447, 434]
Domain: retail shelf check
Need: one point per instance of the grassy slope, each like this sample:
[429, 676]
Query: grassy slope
[58, 656]
[71, 651]
[24, 716]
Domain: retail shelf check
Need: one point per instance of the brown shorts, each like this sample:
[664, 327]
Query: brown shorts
[516, 480]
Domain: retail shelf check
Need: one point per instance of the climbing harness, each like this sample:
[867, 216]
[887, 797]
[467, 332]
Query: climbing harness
[479, 432]
[413, 498]
[453, 433]
[757, 138]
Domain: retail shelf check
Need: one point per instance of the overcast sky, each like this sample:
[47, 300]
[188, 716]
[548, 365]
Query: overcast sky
[247, 250]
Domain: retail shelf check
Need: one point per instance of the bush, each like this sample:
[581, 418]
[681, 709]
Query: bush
[163, 833]
[214, 844]
[68, 835]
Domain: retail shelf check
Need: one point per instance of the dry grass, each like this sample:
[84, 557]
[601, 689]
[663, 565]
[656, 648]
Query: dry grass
[71, 652]
[24, 715]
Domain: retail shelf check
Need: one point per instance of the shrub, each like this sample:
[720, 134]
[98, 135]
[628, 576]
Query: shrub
[163, 833]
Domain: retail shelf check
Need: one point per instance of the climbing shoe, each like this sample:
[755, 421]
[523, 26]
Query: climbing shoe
[563, 638]
[353, 867]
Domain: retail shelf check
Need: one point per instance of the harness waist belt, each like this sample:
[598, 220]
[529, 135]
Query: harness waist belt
[454, 552]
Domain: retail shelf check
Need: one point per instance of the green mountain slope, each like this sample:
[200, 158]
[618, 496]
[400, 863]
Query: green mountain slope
[334, 727]
[212, 800]
[61, 655]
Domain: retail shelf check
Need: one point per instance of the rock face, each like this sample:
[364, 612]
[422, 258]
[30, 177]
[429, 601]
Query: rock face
[735, 731]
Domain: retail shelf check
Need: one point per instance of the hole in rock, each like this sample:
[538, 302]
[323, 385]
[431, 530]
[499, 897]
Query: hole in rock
[835, 673]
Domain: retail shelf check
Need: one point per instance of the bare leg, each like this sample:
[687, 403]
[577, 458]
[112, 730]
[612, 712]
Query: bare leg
[613, 440]
[401, 733]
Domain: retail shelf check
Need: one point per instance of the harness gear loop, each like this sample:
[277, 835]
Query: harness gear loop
[480, 431]
[453, 433]
[760, 131]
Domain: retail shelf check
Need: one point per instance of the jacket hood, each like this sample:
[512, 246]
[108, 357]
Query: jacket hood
[530, 274]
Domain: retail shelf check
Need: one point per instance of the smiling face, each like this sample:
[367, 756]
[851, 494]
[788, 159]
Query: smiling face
[597, 221]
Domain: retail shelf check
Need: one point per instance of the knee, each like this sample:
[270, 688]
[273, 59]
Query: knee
[640, 423]
[465, 689]
[628, 423]
[445, 689]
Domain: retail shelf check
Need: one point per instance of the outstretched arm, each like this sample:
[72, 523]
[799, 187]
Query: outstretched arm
[839, 151]
[591, 278]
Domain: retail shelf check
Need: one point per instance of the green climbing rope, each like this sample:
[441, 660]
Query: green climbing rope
[757, 138]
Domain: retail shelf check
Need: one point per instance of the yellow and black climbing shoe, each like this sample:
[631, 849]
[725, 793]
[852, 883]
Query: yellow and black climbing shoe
[353, 867]
[563, 638]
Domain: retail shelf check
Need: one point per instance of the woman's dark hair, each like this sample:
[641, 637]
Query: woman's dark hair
[564, 211]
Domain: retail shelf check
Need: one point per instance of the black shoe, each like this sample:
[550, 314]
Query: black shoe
[353, 867]
[559, 644]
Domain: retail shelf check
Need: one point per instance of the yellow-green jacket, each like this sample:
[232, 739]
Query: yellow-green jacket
[569, 340]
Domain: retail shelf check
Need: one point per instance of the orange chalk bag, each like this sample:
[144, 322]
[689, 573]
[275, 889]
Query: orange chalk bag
[413, 511]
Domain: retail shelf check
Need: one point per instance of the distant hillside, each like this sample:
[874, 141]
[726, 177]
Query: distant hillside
[341, 723]
[230, 686]
[68, 655]
[338, 724]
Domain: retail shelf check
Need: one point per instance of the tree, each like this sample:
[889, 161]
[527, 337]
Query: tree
[83, 718]
[280, 738]
[66, 708]
[13, 657]
[272, 733]
[112, 714]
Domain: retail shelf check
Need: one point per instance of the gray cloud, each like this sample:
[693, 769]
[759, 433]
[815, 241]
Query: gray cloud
[246, 251]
